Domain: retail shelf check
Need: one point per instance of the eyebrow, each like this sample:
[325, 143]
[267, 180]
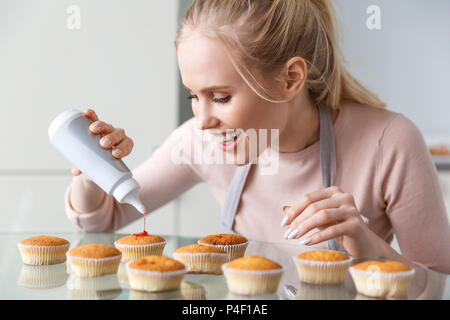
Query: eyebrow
[210, 88]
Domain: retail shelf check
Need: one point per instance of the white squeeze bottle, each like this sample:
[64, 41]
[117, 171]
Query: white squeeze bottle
[69, 134]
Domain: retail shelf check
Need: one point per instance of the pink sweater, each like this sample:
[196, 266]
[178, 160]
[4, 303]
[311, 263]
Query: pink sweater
[382, 160]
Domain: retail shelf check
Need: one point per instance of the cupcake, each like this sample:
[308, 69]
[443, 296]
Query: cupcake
[201, 259]
[43, 250]
[252, 275]
[94, 260]
[233, 244]
[155, 273]
[134, 247]
[322, 266]
[381, 279]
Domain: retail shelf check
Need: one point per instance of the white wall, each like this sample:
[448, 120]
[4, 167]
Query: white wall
[406, 62]
[121, 63]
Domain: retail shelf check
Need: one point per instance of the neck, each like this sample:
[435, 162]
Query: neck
[302, 128]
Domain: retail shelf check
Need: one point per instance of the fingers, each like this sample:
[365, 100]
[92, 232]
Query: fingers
[100, 127]
[313, 209]
[75, 171]
[112, 139]
[308, 199]
[123, 148]
[322, 218]
[89, 113]
[334, 231]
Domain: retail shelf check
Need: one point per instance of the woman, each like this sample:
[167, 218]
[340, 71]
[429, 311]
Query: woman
[349, 173]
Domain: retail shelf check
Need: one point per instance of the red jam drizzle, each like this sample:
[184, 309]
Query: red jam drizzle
[144, 233]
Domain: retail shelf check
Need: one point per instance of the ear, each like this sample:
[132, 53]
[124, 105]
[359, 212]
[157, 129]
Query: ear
[294, 74]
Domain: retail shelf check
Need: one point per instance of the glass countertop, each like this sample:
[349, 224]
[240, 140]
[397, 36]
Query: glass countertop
[20, 281]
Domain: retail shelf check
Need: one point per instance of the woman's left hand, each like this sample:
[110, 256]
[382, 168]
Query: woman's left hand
[336, 216]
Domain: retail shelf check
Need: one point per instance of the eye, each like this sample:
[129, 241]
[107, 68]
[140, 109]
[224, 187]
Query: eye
[190, 97]
[222, 100]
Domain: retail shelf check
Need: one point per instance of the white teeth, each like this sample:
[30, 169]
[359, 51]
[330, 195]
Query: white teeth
[230, 137]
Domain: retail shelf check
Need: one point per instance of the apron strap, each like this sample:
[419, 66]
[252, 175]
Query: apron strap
[233, 198]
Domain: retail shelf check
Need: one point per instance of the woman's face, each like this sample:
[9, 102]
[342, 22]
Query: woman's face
[221, 101]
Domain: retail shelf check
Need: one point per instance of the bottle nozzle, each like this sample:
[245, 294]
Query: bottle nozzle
[133, 199]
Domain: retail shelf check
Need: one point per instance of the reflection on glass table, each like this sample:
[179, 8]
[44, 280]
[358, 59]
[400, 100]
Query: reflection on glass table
[20, 281]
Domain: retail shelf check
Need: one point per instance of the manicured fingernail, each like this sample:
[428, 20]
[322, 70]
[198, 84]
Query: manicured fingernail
[305, 241]
[285, 221]
[287, 233]
[105, 142]
[96, 126]
[293, 234]
[116, 152]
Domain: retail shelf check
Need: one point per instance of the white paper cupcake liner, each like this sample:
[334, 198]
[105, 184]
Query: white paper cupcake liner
[42, 277]
[89, 267]
[249, 282]
[133, 252]
[202, 262]
[43, 255]
[153, 281]
[322, 272]
[234, 250]
[382, 284]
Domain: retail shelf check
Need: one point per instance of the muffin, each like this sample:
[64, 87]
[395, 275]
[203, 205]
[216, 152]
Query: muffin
[322, 266]
[381, 279]
[252, 275]
[43, 250]
[233, 244]
[133, 247]
[201, 259]
[155, 273]
[94, 260]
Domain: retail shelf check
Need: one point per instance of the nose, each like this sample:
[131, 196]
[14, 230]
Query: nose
[205, 118]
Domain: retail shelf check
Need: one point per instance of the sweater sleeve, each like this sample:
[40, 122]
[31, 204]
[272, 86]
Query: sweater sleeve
[412, 195]
[164, 176]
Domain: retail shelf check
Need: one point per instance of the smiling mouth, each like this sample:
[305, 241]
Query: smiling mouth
[230, 137]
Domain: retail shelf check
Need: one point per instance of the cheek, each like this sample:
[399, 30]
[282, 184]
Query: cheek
[259, 114]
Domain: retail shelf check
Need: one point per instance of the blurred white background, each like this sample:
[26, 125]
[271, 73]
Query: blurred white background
[122, 63]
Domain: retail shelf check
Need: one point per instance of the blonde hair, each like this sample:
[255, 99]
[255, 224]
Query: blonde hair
[260, 36]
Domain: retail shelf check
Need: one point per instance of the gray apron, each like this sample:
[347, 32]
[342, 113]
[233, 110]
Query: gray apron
[328, 167]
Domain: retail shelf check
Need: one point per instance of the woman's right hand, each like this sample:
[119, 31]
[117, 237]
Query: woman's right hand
[112, 138]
